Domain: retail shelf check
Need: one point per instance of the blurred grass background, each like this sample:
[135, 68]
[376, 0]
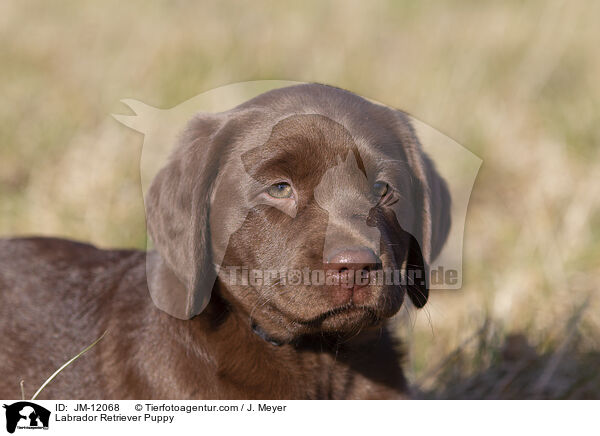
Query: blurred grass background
[515, 82]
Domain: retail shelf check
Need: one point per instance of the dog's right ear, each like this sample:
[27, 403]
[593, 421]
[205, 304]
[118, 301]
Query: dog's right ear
[431, 200]
[181, 274]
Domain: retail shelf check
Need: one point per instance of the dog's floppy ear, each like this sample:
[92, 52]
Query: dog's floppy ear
[181, 276]
[417, 270]
[436, 211]
[432, 206]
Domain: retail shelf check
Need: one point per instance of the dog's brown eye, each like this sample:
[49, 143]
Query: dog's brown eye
[280, 190]
[380, 189]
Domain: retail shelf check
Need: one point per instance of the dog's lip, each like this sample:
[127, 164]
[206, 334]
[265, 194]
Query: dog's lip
[352, 314]
[344, 310]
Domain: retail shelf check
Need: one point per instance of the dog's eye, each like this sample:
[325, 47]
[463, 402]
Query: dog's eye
[280, 190]
[380, 189]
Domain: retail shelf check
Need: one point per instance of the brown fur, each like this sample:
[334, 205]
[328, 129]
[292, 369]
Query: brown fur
[257, 342]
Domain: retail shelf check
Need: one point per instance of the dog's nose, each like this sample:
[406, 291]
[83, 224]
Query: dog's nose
[361, 258]
[352, 266]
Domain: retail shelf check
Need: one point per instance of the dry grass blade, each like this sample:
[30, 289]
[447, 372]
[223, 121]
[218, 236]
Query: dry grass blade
[64, 366]
[450, 357]
[552, 365]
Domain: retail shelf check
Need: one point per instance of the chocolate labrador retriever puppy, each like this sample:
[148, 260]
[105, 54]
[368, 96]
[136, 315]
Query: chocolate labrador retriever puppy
[286, 231]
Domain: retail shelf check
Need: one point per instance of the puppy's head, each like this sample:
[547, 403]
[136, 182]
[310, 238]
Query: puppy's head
[316, 208]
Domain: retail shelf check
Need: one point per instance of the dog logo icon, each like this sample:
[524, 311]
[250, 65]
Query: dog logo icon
[26, 415]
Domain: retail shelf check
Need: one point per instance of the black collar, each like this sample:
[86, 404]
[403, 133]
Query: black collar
[264, 336]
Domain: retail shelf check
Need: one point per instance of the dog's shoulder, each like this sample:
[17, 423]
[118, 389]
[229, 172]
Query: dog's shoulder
[42, 250]
[52, 269]
[55, 298]
[53, 273]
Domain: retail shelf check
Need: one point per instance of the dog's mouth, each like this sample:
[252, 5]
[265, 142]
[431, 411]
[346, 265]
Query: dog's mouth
[350, 317]
[346, 317]
[309, 305]
[328, 318]
[347, 310]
